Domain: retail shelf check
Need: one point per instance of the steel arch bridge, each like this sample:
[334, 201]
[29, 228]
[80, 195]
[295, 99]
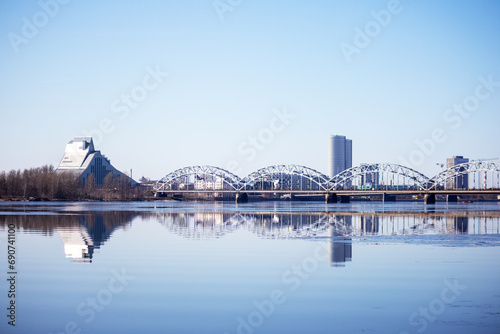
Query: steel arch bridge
[199, 178]
[409, 178]
[447, 176]
[381, 177]
[286, 177]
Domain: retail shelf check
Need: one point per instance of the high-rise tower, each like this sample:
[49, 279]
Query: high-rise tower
[339, 154]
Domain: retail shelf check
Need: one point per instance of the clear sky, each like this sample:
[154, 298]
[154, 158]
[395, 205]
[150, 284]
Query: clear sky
[250, 83]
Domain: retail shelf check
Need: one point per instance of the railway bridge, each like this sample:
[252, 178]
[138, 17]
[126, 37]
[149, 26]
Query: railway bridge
[296, 182]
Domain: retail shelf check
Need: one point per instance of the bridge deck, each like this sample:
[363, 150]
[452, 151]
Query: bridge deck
[338, 192]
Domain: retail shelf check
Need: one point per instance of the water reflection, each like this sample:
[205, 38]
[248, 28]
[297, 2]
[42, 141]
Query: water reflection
[340, 252]
[313, 225]
[78, 244]
[91, 233]
[84, 232]
[81, 234]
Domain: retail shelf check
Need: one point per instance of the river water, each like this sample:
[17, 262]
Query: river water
[269, 267]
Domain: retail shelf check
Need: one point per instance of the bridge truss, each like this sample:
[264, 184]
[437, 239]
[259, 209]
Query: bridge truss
[470, 175]
[199, 178]
[378, 176]
[383, 176]
[286, 177]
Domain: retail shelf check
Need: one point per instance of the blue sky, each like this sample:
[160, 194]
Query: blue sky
[228, 78]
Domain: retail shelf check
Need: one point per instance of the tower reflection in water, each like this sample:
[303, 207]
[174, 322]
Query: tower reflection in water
[340, 252]
[339, 244]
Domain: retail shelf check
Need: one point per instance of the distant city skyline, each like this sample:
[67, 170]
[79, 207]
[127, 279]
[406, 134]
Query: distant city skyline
[81, 156]
[163, 85]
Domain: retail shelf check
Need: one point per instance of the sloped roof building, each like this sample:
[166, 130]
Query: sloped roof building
[81, 157]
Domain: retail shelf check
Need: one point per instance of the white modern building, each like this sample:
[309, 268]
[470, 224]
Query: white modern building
[81, 157]
[339, 154]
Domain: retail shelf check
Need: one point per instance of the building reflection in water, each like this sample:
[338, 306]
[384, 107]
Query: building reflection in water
[80, 233]
[92, 232]
[78, 244]
[460, 224]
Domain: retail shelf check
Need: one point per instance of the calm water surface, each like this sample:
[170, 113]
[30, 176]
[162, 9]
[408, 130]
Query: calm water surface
[179, 267]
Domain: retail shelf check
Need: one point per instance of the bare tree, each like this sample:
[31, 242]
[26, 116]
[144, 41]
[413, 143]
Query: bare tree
[90, 187]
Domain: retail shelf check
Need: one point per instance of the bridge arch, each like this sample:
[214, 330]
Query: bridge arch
[390, 176]
[448, 178]
[199, 178]
[285, 177]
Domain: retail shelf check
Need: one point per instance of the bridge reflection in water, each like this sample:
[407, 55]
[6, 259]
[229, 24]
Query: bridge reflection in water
[279, 225]
[82, 233]
[337, 229]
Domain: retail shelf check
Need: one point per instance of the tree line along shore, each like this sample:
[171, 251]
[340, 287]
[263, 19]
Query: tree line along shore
[46, 184]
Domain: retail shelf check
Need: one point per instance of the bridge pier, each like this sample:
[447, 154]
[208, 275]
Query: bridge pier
[331, 198]
[451, 198]
[429, 199]
[388, 198]
[241, 198]
[344, 199]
